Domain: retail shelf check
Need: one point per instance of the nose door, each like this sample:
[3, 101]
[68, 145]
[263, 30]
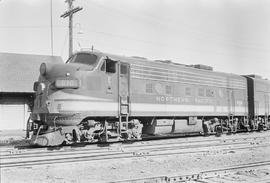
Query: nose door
[124, 89]
[231, 106]
[267, 100]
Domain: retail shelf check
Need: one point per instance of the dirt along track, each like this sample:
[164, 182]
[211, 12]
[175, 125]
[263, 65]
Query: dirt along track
[250, 172]
[14, 159]
[157, 148]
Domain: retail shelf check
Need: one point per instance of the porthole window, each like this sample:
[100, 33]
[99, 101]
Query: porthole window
[168, 89]
[188, 91]
[149, 88]
[201, 92]
[209, 93]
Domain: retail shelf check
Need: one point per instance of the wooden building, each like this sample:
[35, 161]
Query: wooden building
[18, 72]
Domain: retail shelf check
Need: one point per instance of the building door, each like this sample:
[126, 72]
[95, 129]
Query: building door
[14, 113]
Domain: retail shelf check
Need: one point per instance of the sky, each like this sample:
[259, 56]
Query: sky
[232, 36]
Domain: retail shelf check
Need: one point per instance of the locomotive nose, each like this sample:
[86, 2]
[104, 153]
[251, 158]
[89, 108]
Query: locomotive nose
[51, 71]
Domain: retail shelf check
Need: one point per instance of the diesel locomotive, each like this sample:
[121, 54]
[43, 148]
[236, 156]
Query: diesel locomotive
[96, 96]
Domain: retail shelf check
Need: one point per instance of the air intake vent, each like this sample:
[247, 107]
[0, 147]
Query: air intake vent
[143, 58]
[204, 67]
[164, 61]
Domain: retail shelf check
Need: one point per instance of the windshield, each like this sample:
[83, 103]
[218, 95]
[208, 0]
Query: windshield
[84, 58]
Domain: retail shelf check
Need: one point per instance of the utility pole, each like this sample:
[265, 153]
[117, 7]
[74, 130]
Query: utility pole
[69, 13]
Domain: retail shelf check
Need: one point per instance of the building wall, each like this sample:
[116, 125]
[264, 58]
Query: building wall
[14, 111]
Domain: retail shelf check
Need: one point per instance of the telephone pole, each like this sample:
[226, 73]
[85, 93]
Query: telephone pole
[69, 13]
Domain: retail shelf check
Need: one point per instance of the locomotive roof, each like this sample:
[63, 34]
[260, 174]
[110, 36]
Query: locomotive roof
[168, 65]
[18, 72]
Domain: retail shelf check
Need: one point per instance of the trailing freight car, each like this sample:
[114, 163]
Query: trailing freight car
[98, 96]
[258, 101]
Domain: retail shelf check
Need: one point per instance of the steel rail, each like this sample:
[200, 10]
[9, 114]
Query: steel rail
[119, 155]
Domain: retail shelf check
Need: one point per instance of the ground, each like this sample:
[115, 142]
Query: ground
[11, 137]
[137, 167]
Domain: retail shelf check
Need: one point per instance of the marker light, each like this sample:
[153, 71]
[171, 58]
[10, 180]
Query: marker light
[42, 69]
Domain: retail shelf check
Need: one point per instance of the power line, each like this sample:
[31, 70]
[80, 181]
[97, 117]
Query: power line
[51, 28]
[30, 27]
[159, 44]
[184, 26]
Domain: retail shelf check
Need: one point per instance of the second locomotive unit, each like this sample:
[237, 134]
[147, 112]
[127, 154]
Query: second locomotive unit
[96, 96]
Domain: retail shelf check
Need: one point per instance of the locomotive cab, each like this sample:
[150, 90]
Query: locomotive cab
[85, 98]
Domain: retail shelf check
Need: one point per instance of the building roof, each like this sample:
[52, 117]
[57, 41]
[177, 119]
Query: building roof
[18, 72]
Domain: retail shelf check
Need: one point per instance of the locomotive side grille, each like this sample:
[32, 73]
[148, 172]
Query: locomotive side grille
[169, 75]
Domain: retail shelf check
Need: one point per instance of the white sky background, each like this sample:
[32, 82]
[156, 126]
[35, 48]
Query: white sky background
[230, 35]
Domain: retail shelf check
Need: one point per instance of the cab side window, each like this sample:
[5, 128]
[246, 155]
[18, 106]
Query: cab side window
[109, 66]
[103, 67]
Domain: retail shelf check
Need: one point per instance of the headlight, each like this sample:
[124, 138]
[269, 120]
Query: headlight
[35, 86]
[67, 83]
[40, 88]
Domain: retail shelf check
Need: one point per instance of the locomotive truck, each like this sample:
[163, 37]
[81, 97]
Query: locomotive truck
[96, 96]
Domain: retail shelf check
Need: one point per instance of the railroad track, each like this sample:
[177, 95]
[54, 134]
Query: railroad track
[224, 139]
[129, 151]
[43, 150]
[249, 172]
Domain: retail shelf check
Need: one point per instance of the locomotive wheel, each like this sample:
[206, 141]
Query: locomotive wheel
[76, 136]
